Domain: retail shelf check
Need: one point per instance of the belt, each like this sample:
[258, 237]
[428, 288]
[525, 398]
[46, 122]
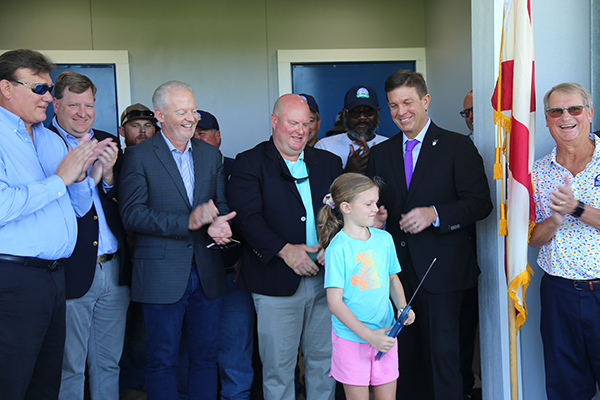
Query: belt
[51, 265]
[587, 285]
[105, 258]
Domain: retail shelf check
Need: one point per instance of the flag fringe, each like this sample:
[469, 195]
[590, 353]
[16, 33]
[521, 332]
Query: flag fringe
[502, 120]
[520, 281]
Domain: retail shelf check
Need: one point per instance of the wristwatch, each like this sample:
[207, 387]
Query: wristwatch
[578, 210]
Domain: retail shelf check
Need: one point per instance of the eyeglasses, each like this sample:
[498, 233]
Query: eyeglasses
[37, 88]
[356, 112]
[466, 112]
[557, 112]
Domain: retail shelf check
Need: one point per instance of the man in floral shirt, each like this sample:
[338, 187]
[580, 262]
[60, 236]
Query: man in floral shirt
[566, 187]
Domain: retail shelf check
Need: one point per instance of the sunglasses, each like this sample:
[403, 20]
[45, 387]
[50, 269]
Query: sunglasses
[37, 88]
[356, 112]
[557, 112]
[465, 113]
[137, 114]
[287, 176]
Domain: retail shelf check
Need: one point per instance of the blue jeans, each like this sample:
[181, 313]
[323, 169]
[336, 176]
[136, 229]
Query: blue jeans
[95, 332]
[236, 338]
[199, 316]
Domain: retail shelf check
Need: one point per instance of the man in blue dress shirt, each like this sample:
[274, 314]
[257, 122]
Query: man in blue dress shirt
[42, 191]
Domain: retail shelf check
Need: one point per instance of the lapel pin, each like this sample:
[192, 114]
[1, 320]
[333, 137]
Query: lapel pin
[434, 142]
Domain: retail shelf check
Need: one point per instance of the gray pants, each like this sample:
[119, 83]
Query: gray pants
[284, 324]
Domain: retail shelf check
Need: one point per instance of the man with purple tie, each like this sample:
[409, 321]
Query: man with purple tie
[435, 187]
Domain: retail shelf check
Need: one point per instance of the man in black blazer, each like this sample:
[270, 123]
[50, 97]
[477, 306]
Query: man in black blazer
[172, 192]
[99, 270]
[428, 215]
[277, 188]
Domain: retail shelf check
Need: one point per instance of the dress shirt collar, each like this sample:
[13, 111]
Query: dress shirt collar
[420, 137]
[188, 146]
[71, 140]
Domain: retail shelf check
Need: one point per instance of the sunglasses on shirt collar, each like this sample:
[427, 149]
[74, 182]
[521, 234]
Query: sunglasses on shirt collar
[37, 88]
[286, 175]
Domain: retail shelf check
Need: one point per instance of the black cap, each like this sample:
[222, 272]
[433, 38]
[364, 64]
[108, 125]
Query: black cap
[207, 121]
[361, 95]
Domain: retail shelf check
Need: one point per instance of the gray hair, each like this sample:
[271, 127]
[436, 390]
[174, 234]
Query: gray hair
[569, 87]
[159, 98]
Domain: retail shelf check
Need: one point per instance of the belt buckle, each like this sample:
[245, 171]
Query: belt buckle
[56, 264]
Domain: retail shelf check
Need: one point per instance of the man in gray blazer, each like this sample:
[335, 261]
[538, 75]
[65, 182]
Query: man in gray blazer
[172, 195]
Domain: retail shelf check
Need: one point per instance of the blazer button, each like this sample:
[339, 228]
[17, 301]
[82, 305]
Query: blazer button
[303, 218]
[189, 246]
[95, 243]
[403, 243]
[95, 218]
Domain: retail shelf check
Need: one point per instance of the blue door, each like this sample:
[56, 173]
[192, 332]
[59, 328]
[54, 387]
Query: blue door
[329, 82]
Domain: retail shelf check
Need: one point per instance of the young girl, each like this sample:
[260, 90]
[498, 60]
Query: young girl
[360, 277]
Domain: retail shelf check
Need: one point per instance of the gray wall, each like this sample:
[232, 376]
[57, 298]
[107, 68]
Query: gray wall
[226, 50]
[449, 75]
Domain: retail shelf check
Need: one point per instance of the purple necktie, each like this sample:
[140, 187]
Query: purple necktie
[408, 160]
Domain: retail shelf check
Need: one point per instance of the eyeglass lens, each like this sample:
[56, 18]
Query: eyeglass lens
[558, 112]
[465, 113]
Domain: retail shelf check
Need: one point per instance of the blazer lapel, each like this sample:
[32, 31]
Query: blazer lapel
[166, 158]
[273, 154]
[199, 168]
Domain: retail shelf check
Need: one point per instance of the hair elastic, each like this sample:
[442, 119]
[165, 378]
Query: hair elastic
[328, 200]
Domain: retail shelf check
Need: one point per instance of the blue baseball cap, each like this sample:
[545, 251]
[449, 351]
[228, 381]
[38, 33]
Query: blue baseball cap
[207, 121]
[361, 95]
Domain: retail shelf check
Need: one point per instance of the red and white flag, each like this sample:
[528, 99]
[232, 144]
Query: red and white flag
[514, 110]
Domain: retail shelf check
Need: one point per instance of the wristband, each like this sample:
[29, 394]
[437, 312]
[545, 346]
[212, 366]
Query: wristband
[578, 210]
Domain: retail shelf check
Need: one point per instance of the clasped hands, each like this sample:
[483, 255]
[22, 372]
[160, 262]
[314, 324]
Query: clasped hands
[208, 213]
[73, 167]
[296, 257]
[562, 201]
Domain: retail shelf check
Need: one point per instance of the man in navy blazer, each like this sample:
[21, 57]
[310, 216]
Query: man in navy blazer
[172, 195]
[277, 189]
[429, 212]
[99, 270]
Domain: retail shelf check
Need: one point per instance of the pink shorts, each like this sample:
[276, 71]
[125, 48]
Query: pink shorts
[354, 363]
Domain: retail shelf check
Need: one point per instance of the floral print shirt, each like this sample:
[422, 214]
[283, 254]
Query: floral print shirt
[574, 251]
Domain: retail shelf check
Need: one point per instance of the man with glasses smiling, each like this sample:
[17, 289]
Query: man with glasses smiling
[566, 186]
[42, 191]
[361, 119]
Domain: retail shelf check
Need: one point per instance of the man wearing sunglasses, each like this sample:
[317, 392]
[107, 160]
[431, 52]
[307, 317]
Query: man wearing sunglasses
[99, 270]
[277, 189]
[467, 112]
[43, 189]
[360, 117]
[566, 186]
[137, 124]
